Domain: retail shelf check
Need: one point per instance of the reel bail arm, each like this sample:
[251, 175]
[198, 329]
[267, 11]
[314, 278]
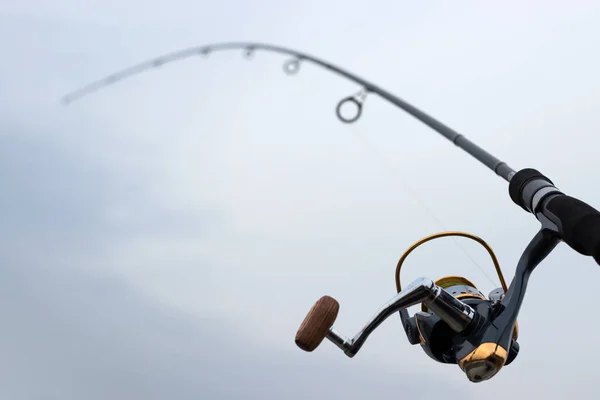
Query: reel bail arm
[318, 323]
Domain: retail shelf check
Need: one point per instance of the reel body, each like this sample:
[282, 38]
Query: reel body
[457, 324]
[443, 344]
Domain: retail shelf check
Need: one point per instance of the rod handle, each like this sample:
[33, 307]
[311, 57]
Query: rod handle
[578, 222]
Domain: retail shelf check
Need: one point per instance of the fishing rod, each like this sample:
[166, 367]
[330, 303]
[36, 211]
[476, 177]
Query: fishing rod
[457, 323]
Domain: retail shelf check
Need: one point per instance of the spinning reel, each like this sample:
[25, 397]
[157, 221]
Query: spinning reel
[457, 324]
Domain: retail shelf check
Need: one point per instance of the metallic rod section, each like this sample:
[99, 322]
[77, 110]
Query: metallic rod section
[454, 312]
[499, 167]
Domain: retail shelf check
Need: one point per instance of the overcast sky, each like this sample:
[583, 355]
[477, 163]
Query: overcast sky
[165, 237]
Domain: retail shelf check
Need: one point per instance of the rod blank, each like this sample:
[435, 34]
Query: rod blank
[499, 167]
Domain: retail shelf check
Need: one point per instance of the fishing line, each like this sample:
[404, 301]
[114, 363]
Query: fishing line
[291, 67]
[394, 173]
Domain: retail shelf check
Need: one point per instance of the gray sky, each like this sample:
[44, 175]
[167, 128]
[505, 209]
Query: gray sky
[164, 238]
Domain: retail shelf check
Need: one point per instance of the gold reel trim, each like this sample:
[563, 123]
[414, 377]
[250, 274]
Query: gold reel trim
[461, 234]
[447, 234]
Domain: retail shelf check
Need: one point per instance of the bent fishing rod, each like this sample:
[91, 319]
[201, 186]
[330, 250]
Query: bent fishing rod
[457, 323]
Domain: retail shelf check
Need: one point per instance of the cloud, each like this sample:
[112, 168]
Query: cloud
[73, 327]
[65, 202]
[217, 199]
[70, 335]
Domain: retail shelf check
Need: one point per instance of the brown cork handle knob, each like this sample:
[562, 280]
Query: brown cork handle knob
[315, 326]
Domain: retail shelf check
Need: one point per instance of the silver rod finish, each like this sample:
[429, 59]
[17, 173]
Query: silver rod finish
[499, 167]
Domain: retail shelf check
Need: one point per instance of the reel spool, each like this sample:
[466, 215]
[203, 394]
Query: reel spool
[461, 288]
[458, 286]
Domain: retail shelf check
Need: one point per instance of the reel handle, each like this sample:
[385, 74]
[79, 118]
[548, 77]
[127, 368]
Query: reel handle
[317, 323]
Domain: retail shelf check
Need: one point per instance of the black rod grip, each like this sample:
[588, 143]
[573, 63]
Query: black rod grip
[578, 223]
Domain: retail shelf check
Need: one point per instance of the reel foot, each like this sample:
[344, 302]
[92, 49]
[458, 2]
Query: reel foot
[317, 323]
